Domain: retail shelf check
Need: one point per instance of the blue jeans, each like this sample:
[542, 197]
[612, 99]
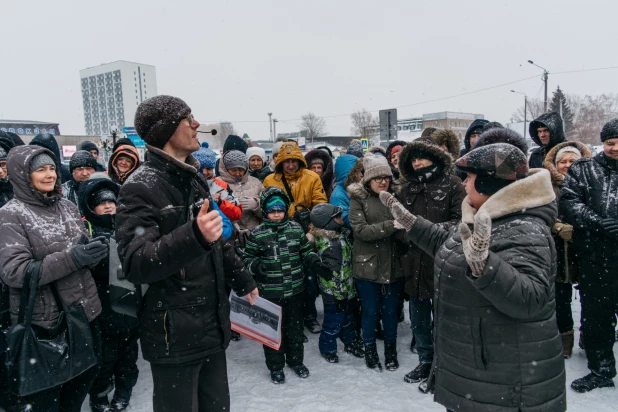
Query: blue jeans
[420, 323]
[311, 285]
[376, 298]
[337, 324]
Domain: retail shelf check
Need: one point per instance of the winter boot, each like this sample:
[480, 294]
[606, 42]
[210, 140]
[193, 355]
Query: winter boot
[100, 404]
[568, 340]
[331, 357]
[301, 370]
[419, 373]
[313, 325]
[120, 402]
[355, 348]
[372, 360]
[277, 377]
[235, 336]
[590, 382]
[413, 344]
[390, 356]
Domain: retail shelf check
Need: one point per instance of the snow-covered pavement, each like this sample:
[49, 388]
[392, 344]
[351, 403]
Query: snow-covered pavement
[348, 385]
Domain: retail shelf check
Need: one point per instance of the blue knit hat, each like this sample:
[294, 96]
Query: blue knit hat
[206, 157]
[275, 204]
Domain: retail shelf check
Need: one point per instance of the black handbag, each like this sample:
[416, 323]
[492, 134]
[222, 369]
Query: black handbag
[39, 358]
[302, 214]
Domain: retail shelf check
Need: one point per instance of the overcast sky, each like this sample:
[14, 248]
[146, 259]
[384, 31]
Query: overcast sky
[238, 60]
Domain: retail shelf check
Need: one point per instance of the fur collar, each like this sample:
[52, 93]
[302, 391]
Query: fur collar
[533, 191]
[440, 156]
[550, 160]
[357, 191]
[190, 164]
[317, 232]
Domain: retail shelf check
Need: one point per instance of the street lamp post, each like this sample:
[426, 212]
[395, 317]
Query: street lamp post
[275, 129]
[545, 76]
[525, 109]
[270, 122]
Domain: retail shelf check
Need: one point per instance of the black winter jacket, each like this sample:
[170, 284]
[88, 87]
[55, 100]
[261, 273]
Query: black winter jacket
[6, 192]
[103, 225]
[589, 194]
[497, 346]
[185, 312]
[553, 122]
[436, 198]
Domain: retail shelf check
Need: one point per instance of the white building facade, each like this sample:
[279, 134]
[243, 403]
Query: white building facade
[112, 92]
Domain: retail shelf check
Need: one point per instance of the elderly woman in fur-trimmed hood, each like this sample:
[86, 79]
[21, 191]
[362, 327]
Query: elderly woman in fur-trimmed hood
[496, 342]
[558, 161]
[433, 192]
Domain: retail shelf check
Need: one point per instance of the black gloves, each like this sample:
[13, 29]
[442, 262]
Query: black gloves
[319, 267]
[610, 227]
[259, 268]
[86, 253]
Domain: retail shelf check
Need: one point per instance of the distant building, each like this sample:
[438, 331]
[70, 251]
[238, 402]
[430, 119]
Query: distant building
[29, 127]
[411, 128]
[456, 121]
[111, 93]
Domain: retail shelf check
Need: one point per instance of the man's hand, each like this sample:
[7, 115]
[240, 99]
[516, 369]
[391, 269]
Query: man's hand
[210, 223]
[251, 294]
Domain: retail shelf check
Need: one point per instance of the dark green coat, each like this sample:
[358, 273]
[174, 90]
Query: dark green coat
[497, 346]
[282, 248]
[375, 251]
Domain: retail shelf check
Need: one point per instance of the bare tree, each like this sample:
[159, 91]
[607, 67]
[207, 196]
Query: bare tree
[535, 109]
[361, 120]
[591, 113]
[314, 125]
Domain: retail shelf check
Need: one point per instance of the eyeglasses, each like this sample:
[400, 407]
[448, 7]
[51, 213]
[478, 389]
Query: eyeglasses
[3, 165]
[190, 118]
[381, 179]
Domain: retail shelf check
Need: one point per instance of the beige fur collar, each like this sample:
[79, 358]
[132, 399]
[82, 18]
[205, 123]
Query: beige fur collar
[533, 191]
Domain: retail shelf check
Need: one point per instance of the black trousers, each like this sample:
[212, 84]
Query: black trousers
[67, 397]
[564, 316]
[197, 387]
[291, 350]
[599, 296]
[119, 364]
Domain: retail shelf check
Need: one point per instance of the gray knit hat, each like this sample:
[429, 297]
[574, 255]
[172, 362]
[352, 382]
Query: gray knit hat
[355, 148]
[3, 154]
[568, 149]
[157, 118]
[375, 166]
[235, 158]
[322, 216]
[43, 159]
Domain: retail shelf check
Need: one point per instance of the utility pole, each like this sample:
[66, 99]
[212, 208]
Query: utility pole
[545, 77]
[270, 122]
[275, 129]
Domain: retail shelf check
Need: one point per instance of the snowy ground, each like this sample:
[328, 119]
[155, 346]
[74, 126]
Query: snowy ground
[348, 385]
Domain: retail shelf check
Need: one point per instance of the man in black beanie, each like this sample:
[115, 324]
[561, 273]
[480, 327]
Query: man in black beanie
[82, 166]
[93, 149]
[588, 201]
[169, 237]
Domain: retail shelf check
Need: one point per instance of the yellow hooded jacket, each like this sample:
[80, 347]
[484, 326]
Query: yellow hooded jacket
[305, 185]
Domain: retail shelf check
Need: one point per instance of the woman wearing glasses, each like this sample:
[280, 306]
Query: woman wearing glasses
[378, 274]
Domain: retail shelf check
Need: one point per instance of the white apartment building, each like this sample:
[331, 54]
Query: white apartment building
[111, 93]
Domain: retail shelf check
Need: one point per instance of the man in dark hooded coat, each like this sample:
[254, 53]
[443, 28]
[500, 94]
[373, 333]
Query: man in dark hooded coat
[546, 131]
[473, 133]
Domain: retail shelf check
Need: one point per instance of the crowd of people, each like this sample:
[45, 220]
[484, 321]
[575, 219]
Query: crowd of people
[485, 243]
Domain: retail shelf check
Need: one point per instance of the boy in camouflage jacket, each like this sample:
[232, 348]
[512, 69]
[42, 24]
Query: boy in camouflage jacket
[335, 280]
